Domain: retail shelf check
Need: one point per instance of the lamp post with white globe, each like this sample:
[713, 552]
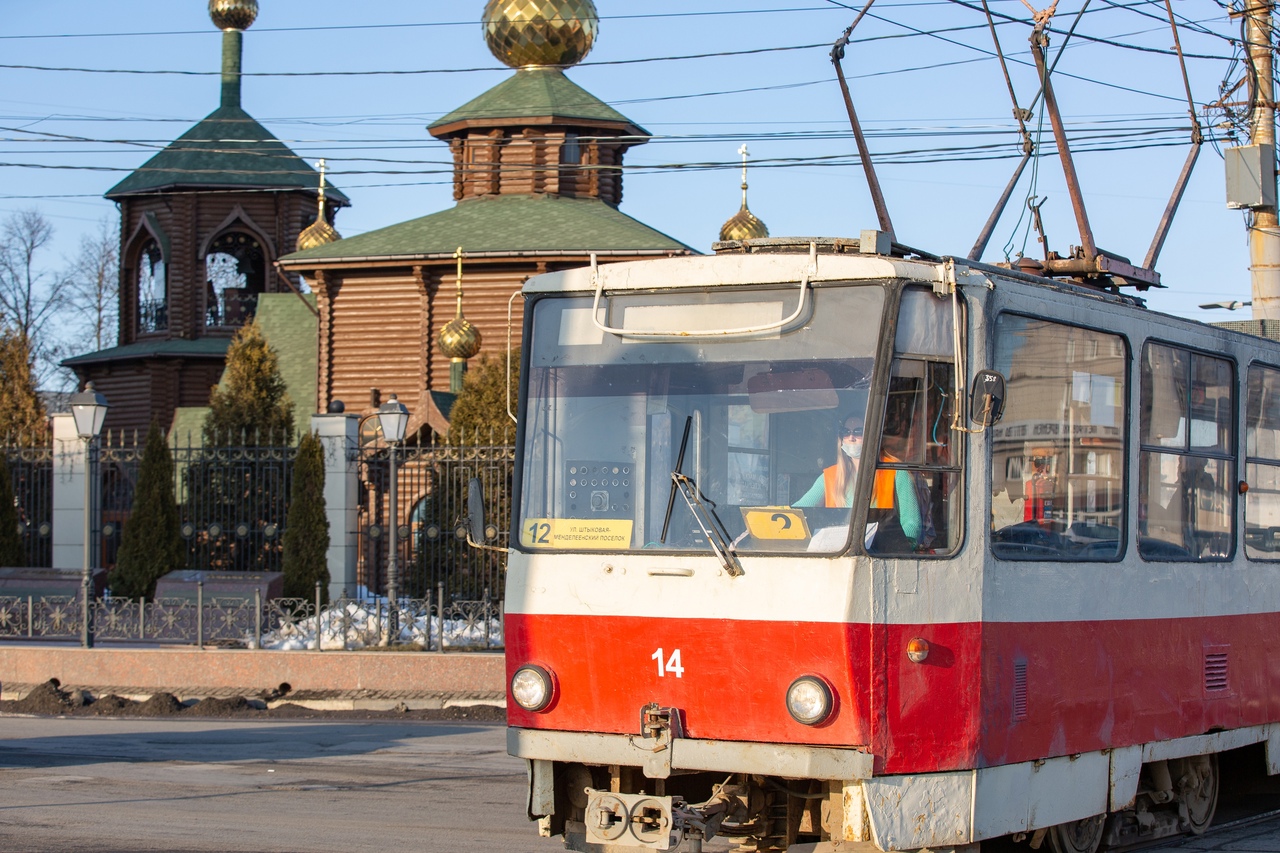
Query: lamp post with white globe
[393, 417]
[89, 408]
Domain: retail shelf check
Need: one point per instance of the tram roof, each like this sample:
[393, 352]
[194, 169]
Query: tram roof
[834, 260]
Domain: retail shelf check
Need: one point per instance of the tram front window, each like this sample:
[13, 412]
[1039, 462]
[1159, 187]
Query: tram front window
[608, 415]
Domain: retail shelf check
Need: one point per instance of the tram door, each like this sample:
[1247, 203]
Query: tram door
[915, 495]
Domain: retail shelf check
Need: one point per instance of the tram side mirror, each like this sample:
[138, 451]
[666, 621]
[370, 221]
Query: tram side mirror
[475, 511]
[986, 401]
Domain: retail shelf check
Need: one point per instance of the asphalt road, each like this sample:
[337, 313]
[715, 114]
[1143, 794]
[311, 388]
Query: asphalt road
[112, 785]
[117, 784]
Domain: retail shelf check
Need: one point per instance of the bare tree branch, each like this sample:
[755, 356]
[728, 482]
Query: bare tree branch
[93, 286]
[30, 296]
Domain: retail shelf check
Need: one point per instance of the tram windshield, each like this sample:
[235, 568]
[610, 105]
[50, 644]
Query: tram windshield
[748, 423]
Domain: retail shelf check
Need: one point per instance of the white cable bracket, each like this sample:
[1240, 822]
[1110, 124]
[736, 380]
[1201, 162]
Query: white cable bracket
[621, 332]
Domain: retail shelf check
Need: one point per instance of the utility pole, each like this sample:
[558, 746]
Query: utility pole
[1264, 236]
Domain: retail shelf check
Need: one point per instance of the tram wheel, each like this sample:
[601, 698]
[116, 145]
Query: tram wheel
[1077, 836]
[1200, 792]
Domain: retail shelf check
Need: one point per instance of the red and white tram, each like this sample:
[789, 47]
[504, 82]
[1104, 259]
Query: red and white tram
[1045, 622]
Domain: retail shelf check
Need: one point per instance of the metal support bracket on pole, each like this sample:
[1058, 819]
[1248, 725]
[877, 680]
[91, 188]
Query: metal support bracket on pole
[1038, 42]
[864, 153]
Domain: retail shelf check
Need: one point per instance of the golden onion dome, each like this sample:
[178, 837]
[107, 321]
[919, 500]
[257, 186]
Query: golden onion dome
[233, 14]
[743, 225]
[459, 339]
[540, 32]
[318, 233]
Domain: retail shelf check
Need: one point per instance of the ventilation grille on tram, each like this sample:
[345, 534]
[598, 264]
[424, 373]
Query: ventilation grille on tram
[1020, 690]
[1215, 672]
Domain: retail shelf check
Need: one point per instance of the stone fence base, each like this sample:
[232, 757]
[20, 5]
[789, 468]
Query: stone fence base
[338, 679]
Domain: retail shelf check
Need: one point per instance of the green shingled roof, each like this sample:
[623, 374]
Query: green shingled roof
[228, 149]
[292, 330]
[504, 224]
[542, 94]
[176, 348]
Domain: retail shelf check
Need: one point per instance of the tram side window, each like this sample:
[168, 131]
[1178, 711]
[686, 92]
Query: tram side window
[914, 499]
[915, 496]
[1185, 504]
[1057, 465]
[1262, 465]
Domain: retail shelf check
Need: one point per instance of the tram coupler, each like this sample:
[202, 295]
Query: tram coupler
[621, 821]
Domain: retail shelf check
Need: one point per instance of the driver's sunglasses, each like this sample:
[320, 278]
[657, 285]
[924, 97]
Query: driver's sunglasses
[851, 432]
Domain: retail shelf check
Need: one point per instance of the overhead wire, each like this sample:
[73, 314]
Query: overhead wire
[978, 151]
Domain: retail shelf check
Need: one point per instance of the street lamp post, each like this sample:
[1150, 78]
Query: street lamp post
[89, 408]
[394, 417]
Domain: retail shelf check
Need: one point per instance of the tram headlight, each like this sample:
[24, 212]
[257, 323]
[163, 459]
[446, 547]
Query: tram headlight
[809, 700]
[532, 687]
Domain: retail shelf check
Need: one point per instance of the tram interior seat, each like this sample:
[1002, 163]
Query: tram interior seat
[1262, 538]
[1031, 540]
[1159, 549]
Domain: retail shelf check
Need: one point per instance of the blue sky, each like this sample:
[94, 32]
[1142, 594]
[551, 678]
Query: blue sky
[926, 83]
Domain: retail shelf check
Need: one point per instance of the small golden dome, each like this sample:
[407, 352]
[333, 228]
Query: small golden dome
[318, 233]
[233, 14]
[459, 339]
[540, 32]
[743, 225]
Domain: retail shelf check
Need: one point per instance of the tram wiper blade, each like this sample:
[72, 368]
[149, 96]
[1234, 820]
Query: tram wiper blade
[709, 522]
[671, 499]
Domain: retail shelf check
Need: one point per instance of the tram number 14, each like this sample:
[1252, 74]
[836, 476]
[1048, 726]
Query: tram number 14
[672, 665]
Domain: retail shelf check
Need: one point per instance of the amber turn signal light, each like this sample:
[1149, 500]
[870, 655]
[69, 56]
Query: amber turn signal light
[917, 649]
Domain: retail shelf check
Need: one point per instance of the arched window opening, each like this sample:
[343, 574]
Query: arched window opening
[420, 516]
[153, 289]
[235, 270]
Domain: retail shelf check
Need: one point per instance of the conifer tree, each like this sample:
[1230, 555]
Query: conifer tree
[479, 415]
[22, 415]
[306, 534]
[151, 545]
[10, 542]
[249, 408]
[252, 405]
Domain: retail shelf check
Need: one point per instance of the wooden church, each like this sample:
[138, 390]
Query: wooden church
[537, 179]
[202, 225]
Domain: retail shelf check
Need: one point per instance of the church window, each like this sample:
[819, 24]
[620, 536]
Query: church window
[153, 289]
[235, 271]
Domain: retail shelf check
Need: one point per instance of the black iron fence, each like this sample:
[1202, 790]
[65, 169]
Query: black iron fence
[429, 531]
[244, 622]
[31, 476]
[233, 505]
[232, 501]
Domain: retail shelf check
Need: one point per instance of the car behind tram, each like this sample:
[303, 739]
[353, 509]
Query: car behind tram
[1038, 603]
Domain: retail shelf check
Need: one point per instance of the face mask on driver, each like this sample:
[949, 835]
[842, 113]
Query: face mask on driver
[852, 449]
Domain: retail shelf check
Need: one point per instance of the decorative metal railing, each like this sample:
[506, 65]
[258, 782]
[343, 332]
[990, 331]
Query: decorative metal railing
[281, 623]
[431, 509]
[30, 465]
[233, 504]
[232, 500]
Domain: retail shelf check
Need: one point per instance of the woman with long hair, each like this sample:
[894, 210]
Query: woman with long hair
[834, 486]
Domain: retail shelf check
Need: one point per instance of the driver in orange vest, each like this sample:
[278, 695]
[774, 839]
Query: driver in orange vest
[834, 486]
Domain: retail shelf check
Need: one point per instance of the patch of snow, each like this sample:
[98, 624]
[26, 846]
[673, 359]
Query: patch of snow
[360, 624]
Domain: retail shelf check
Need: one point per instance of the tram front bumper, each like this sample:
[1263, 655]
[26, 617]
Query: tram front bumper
[658, 758]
